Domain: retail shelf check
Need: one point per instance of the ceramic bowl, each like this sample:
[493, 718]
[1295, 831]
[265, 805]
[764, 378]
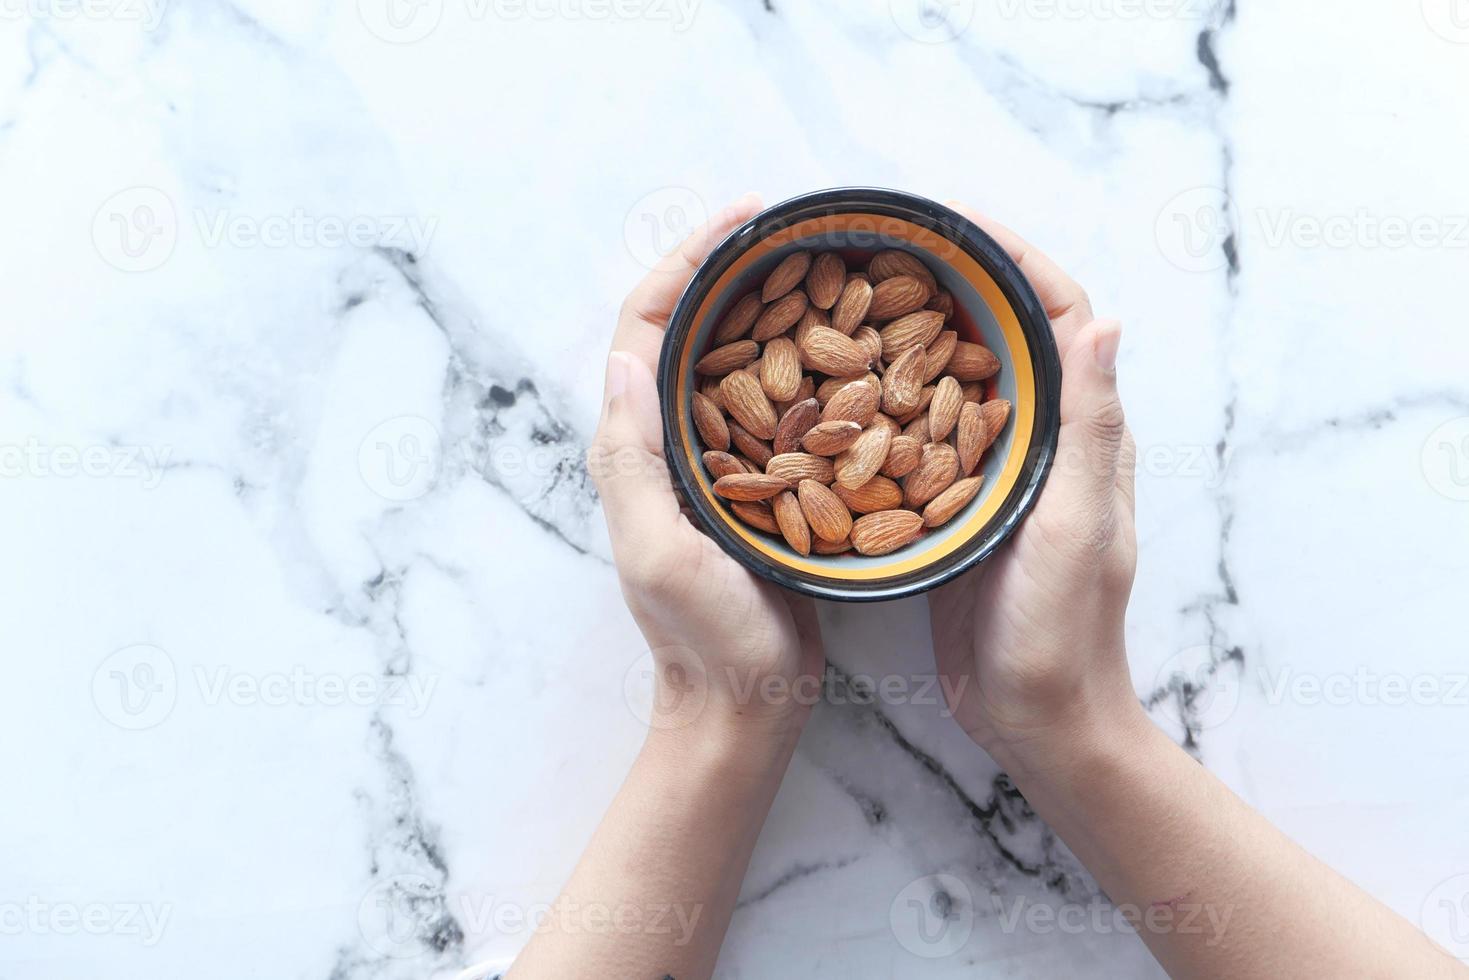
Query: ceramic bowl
[994, 305]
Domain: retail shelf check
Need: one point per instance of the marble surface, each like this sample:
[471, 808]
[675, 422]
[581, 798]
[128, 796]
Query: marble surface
[317, 666]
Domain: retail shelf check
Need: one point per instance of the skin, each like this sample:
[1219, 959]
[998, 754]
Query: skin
[1032, 641]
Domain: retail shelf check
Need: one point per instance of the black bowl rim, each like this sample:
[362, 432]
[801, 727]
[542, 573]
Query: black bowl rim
[953, 226]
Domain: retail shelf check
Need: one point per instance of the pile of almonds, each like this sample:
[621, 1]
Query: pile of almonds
[836, 410]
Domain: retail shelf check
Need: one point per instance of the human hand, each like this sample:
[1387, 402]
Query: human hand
[728, 647]
[1032, 640]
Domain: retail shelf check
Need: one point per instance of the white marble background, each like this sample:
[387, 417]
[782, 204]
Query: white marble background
[316, 666]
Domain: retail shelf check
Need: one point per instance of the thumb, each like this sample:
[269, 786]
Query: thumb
[1092, 421]
[626, 459]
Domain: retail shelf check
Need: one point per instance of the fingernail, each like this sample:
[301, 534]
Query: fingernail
[1109, 338]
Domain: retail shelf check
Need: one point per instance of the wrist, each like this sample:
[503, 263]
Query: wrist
[721, 741]
[1093, 734]
[717, 696]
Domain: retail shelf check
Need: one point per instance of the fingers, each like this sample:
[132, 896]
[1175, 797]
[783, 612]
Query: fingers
[653, 298]
[645, 314]
[626, 459]
[626, 462]
[1093, 428]
[1066, 303]
[1092, 380]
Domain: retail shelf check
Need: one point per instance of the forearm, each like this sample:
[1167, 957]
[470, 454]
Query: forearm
[653, 893]
[1211, 886]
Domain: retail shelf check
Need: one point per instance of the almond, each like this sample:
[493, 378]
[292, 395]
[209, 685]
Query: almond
[936, 471]
[973, 391]
[943, 507]
[939, 352]
[795, 467]
[747, 462]
[869, 340]
[721, 464]
[851, 307]
[914, 330]
[749, 486]
[780, 369]
[757, 449]
[746, 403]
[882, 418]
[753, 368]
[942, 302]
[709, 420]
[925, 395]
[786, 276]
[794, 423]
[792, 522]
[780, 316]
[864, 457]
[996, 413]
[902, 383]
[917, 428]
[943, 411]
[828, 516]
[878, 493]
[972, 362]
[972, 436]
[730, 357]
[855, 402]
[896, 296]
[825, 280]
[892, 262]
[831, 352]
[831, 386]
[903, 456]
[738, 321]
[831, 547]
[813, 317]
[755, 513]
[885, 531]
[709, 388]
[831, 438]
[806, 389]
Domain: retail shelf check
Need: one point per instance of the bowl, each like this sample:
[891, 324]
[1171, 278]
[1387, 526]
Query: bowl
[993, 305]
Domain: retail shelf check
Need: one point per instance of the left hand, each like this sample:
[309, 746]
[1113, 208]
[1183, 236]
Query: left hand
[754, 650]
